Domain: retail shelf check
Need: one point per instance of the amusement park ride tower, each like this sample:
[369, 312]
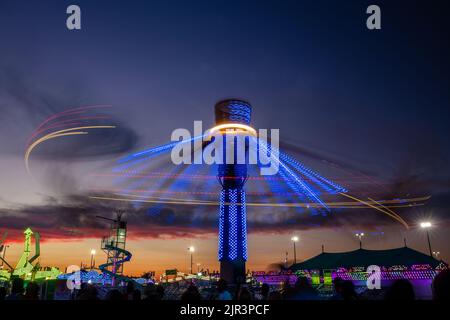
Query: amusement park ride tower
[232, 251]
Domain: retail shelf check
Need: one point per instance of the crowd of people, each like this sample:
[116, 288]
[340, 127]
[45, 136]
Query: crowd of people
[301, 290]
[19, 292]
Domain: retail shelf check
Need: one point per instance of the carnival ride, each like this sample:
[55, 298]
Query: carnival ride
[28, 267]
[111, 272]
[114, 247]
[296, 191]
[72, 122]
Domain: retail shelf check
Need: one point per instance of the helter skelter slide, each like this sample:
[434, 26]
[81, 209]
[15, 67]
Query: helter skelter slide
[114, 247]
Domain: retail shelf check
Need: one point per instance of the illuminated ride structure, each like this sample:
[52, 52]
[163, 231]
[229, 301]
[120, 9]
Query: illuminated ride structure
[296, 191]
[29, 268]
[114, 247]
[232, 125]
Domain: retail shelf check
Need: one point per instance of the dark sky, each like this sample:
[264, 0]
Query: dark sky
[377, 100]
[310, 68]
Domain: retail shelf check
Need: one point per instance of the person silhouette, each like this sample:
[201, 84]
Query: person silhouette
[401, 290]
[16, 290]
[441, 285]
[191, 294]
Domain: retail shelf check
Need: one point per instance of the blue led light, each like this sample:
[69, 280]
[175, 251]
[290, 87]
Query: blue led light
[151, 151]
[299, 185]
[243, 225]
[155, 150]
[239, 112]
[310, 173]
[302, 194]
[232, 225]
[159, 185]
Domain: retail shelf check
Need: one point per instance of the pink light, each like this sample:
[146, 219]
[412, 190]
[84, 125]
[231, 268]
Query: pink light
[62, 124]
[73, 111]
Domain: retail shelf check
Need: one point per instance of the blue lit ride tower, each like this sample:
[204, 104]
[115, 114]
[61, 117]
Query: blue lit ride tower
[232, 215]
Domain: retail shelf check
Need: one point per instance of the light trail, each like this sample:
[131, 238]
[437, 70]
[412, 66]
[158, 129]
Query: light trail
[153, 151]
[135, 174]
[358, 174]
[392, 201]
[148, 201]
[45, 138]
[292, 172]
[60, 133]
[388, 209]
[312, 175]
[299, 180]
[214, 203]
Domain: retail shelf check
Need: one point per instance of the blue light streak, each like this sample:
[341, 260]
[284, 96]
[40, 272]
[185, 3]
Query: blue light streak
[158, 149]
[233, 225]
[221, 224]
[311, 174]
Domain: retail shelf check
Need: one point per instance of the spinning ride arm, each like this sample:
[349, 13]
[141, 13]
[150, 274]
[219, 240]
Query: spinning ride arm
[127, 257]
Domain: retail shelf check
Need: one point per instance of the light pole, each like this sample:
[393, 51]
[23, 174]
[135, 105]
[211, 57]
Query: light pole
[436, 254]
[92, 258]
[427, 225]
[360, 235]
[191, 251]
[294, 240]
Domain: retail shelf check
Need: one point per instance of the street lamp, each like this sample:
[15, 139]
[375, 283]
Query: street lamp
[427, 225]
[360, 235]
[191, 251]
[92, 258]
[436, 254]
[294, 239]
